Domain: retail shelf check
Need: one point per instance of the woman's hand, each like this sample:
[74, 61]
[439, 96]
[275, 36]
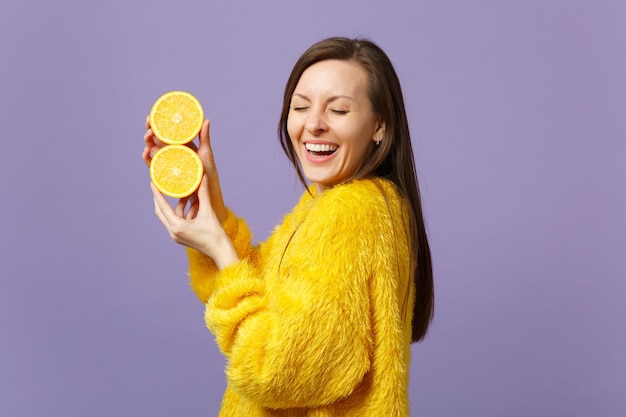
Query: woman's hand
[205, 152]
[153, 144]
[199, 228]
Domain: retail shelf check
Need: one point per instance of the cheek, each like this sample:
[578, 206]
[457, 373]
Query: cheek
[361, 139]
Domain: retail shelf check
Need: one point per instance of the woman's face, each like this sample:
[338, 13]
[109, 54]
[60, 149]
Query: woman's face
[331, 122]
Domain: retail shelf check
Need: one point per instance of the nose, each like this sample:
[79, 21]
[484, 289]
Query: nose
[315, 123]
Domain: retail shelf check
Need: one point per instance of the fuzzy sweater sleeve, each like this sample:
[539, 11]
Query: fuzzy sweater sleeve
[304, 338]
[202, 269]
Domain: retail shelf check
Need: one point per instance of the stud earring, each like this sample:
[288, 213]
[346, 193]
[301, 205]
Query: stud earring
[379, 139]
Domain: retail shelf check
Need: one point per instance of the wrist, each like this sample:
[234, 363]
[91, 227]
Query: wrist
[224, 253]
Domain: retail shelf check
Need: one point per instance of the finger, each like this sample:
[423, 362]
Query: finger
[204, 197]
[204, 150]
[203, 190]
[193, 210]
[205, 136]
[180, 207]
[162, 208]
[159, 213]
[150, 146]
[147, 137]
[151, 140]
[193, 146]
[147, 156]
[148, 122]
[193, 206]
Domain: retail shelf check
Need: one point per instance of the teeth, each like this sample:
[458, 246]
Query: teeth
[318, 147]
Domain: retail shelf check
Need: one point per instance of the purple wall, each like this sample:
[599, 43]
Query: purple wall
[518, 111]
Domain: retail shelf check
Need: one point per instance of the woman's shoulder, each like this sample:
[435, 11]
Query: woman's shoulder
[367, 196]
[369, 189]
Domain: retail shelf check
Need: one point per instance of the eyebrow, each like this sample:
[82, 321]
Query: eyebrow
[330, 99]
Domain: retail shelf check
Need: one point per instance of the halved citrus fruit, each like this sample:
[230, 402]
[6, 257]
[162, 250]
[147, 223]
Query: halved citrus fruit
[176, 170]
[176, 117]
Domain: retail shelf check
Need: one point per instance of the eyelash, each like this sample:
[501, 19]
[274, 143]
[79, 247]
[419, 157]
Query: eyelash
[335, 111]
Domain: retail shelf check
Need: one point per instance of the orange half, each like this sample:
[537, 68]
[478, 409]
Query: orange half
[176, 117]
[176, 170]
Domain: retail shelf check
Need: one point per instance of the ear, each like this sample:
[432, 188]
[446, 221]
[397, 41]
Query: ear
[379, 133]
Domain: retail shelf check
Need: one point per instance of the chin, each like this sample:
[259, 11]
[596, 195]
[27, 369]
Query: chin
[316, 179]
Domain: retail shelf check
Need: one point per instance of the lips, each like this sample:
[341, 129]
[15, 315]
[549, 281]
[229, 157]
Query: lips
[319, 152]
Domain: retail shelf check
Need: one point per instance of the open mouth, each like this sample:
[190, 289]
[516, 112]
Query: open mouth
[320, 150]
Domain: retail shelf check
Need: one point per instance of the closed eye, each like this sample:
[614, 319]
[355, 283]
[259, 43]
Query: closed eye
[340, 112]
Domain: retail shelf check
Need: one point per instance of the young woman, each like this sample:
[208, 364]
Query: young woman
[318, 320]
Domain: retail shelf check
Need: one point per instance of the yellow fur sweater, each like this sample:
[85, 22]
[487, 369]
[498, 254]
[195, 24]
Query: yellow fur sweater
[316, 321]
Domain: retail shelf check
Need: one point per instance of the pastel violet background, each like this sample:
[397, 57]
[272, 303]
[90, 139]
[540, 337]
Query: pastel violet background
[518, 115]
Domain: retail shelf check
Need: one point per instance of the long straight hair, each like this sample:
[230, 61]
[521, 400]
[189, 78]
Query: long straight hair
[392, 159]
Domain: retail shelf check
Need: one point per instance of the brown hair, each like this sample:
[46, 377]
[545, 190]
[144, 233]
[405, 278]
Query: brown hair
[392, 159]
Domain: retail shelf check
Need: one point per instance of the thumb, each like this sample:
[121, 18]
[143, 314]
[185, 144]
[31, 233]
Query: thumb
[205, 152]
[204, 149]
[204, 197]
